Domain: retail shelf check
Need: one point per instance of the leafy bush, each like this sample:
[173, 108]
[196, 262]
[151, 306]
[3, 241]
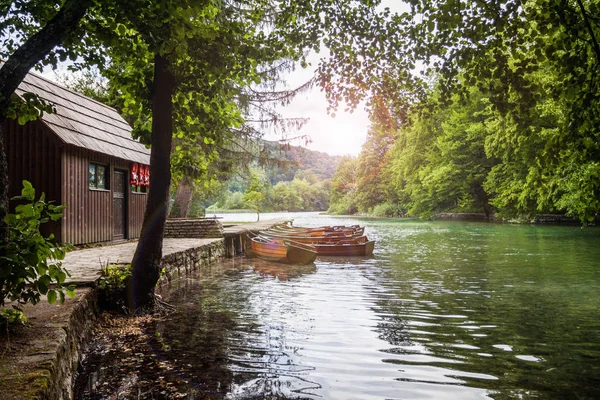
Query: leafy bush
[344, 206]
[30, 264]
[197, 209]
[112, 286]
[12, 316]
[388, 210]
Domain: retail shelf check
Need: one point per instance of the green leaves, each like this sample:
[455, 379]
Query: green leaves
[28, 192]
[51, 296]
[531, 144]
[30, 265]
[121, 30]
[28, 107]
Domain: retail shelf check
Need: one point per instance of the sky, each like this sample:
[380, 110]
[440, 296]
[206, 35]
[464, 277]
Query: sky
[342, 135]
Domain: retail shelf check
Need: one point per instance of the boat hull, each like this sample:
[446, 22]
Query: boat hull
[327, 241]
[354, 230]
[347, 249]
[315, 239]
[283, 251]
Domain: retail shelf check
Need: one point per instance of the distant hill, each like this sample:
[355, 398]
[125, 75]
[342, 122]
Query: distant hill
[299, 180]
[298, 158]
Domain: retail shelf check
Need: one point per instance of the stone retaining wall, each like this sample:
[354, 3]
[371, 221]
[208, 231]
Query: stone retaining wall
[193, 228]
[49, 349]
[199, 258]
[77, 331]
[468, 217]
[555, 219]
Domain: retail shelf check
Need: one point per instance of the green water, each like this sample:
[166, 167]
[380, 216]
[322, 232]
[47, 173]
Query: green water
[444, 310]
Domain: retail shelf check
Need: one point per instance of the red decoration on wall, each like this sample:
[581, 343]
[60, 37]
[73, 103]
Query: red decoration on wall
[146, 176]
[134, 174]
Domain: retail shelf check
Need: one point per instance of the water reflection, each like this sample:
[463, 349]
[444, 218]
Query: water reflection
[443, 311]
[283, 272]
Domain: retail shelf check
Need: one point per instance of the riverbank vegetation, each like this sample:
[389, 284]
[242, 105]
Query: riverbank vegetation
[505, 122]
[299, 180]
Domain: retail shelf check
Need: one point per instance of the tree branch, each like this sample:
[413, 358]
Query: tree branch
[590, 29]
[37, 47]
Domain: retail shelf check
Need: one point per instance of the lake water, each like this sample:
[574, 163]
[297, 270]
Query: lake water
[443, 310]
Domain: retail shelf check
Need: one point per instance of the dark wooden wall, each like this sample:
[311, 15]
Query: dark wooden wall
[89, 216]
[33, 154]
[137, 208]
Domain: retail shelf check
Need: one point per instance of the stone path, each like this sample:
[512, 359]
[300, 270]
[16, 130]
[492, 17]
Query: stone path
[85, 265]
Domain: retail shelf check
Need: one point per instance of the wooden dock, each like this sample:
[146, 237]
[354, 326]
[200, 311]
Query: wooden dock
[235, 235]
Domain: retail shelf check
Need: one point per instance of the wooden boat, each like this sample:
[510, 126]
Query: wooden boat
[282, 250]
[311, 239]
[359, 246]
[321, 231]
[345, 248]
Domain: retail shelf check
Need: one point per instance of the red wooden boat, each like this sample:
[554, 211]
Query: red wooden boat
[312, 239]
[332, 246]
[282, 250]
[345, 248]
[321, 231]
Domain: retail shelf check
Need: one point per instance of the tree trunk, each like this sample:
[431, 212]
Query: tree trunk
[14, 70]
[4, 182]
[183, 198]
[484, 200]
[148, 254]
[590, 29]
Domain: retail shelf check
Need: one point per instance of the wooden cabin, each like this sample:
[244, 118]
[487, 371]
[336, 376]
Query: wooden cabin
[83, 156]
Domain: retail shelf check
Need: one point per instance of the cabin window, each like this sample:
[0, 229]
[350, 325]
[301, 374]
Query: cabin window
[98, 176]
[139, 189]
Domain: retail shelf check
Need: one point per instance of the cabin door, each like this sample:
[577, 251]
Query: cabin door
[119, 204]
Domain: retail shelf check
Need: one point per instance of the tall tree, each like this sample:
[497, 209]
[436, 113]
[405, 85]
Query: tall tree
[509, 49]
[343, 187]
[211, 49]
[176, 39]
[254, 196]
[441, 161]
[372, 184]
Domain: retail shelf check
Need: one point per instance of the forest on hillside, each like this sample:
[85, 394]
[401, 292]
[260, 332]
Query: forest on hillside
[506, 120]
[297, 158]
[295, 179]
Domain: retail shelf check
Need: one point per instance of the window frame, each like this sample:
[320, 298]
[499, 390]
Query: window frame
[107, 179]
[143, 189]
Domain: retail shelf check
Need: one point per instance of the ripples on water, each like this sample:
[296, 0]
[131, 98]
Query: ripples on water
[442, 311]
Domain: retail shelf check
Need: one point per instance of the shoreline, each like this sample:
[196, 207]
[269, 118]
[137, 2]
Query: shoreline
[40, 359]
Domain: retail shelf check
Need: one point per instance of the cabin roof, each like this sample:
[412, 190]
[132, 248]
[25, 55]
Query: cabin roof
[84, 122]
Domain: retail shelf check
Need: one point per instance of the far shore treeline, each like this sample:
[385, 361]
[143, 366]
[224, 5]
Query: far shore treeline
[508, 122]
[299, 181]
[504, 119]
